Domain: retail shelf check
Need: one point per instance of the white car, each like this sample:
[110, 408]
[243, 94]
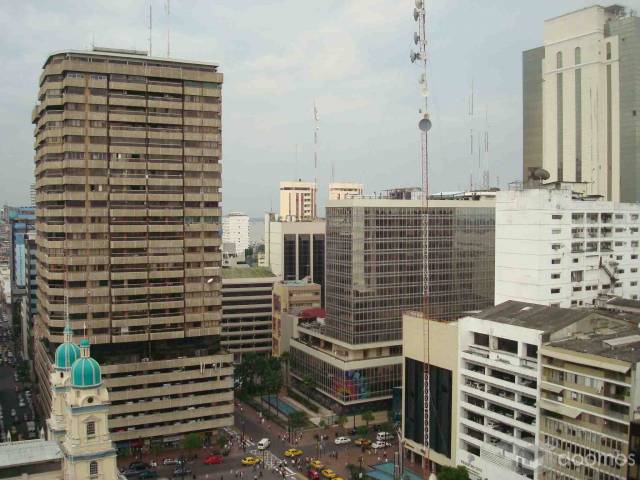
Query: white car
[342, 440]
[380, 444]
[171, 461]
[264, 444]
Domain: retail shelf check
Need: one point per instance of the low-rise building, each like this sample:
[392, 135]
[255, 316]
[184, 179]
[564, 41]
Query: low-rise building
[290, 297]
[341, 190]
[442, 356]
[246, 310]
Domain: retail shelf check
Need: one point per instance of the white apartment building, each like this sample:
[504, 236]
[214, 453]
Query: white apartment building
[581, 104]
[554, 247]
[297, 200]
[499, 375]
[341, 190]
[235, 229]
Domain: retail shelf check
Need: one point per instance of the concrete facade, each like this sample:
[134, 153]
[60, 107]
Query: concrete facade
[557, 248]
[342, 190]
[581, 102]
[298, 201]
[127, 169]
[246, 310]
[235, 229]
[290, 297]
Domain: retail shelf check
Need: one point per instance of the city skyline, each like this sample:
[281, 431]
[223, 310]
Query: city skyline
[343, 56]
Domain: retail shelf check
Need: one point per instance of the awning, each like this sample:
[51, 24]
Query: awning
[551, 387]
[561, 409]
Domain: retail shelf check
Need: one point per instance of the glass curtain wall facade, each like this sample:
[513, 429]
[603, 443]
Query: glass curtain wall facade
[374, 266]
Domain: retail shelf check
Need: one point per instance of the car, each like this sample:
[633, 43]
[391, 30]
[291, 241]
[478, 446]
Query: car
[317, 464]
[264, 444]
[171, 461]
[139, 466]
[384, 436]
[328, 473]
[313, 475]
[342, 440]
[250, 460]
[182, 470]
[379, 444]
[148, 474]
[363, 442]
[13, 412]
[293, 452]
[213, 459]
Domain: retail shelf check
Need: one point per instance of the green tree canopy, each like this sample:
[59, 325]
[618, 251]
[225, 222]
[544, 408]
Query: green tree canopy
[458, 473]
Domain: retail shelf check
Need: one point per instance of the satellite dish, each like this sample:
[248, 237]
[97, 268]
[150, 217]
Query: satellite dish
[540, 174]
[414, 56]
[425, 123]
[416, 14]
[419, 3]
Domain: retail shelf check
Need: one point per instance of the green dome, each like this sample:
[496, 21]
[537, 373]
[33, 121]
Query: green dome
[85, 373]
[66, 354]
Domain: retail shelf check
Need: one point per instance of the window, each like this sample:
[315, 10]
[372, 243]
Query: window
[578, 56]
[555, 290]
[555, 261]
[556, 246]
[556, 217]
[608, 50]
[91, 429]
[93, 469]
[555, 276]
[559, 59]
[556, 231]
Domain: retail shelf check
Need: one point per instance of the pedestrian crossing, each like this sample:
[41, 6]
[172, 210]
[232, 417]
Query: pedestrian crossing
[271, 461]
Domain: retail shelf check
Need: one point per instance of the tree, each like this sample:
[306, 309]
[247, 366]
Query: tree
[367, 416]
[341, 421]
[193, 441]
[449, 473]
[309, 384]
[297, 420]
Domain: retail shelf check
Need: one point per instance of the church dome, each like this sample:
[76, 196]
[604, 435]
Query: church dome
[67, 352]
[85, 371]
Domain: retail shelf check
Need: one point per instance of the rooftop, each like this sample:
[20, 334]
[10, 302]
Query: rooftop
[621, 345]
[530, 315]
[14, 454]
[131, 54]
[246, 272]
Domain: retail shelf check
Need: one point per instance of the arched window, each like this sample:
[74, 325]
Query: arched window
[91, 429]
[608, 50]
[559, 60]
[93, 469]
[578, 54]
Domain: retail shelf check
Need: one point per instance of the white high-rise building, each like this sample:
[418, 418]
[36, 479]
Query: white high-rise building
[297, 200]
[235, 229]
[581, 102]
[556, 247]
[341, 190]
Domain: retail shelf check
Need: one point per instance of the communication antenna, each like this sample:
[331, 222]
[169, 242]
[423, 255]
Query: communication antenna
[150, 27]
[168, 10]
[316, 127]
[424, 125]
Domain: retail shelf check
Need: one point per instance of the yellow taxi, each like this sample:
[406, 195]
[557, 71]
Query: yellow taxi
[328, 473]
[363, 441]
[250, 460]
[293, 452]
[317, 464]
[338, 478]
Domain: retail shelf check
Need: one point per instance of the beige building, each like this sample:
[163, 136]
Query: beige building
[580, 102]
[289, 297]
[128, 198]
[442, 338]
[341, 190]
[589, 399]
[297, 200]
[246, 310]
[295, 250]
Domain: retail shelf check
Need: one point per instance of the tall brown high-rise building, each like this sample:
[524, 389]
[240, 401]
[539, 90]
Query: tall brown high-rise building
[128, 233]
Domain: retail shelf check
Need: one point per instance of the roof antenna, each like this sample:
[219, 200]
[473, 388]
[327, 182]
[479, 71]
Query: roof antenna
[315, 150]
[168, 9]
[150, 27]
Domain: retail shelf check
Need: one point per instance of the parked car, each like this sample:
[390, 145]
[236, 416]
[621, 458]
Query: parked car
[148, 474]
[342, 440]
[213, 459]
[364, 442]
[182, 470]
[378, 444]
[171, 461]
[139, 466]
[384, 437]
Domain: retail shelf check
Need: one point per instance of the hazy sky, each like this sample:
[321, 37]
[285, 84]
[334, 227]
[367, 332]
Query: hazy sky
[350, 56]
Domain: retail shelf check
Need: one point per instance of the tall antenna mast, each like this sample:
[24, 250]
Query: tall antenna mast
[316, 127]
[168, 9]
[150, 27]
[424, 125]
